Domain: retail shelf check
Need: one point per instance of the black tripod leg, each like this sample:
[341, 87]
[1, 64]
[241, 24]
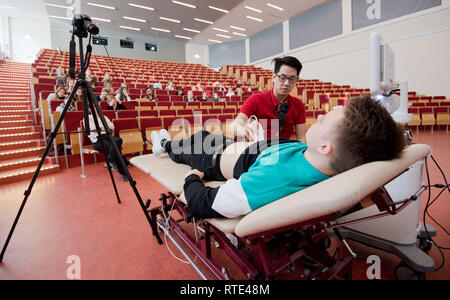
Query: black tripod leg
[38, 169]
[93, 104]
[90, 98]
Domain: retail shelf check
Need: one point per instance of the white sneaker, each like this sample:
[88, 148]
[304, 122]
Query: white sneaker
[156, 142]
[165, 135]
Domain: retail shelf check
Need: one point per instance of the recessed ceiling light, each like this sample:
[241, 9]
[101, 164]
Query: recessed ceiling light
[255, 19]
[184, 4]
[101, 20]
[102, 6]
[219, 9]
[204, 21]
[224, 36]
[240, 34]
[183, 37]
[170, 20]
[218, 29]
[215, 41]
[160, 29]
[191, 30]
[58, 17]
[59, 6]
[254, 9]
[134, 19]
[130, 28]
[141, 6]
[274, 6]
[238, 28]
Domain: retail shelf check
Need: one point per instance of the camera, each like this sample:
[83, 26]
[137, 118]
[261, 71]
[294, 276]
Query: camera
[83, 25]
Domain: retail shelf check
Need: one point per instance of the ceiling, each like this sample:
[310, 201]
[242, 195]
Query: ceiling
[206, 34]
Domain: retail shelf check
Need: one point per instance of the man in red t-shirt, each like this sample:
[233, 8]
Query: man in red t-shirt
[273, 106]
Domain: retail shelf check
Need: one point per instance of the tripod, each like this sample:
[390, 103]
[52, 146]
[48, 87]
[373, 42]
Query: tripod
[89, 103]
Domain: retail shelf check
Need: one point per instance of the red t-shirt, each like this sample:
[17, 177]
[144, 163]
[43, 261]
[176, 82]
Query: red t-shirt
[264, 107]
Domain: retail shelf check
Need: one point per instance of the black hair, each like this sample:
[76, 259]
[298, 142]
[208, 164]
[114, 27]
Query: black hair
[288, 61]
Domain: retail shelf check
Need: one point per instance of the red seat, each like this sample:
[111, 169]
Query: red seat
[127, 114]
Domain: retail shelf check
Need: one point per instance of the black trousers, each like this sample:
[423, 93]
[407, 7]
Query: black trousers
[202, 151]
[112, 157]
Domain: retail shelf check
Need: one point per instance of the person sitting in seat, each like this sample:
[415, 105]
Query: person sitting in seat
[112, 158]
[61, 94]
[103, 96]
[122, 94]
[149, 95]
[190, 97]
[261, 172]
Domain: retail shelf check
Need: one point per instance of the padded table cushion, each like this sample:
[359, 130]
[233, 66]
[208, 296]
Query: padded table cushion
[337, 193]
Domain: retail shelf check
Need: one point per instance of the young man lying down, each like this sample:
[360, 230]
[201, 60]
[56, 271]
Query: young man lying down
[262, 172]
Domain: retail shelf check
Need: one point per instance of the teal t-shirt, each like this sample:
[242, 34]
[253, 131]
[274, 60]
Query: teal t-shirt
[279, 171]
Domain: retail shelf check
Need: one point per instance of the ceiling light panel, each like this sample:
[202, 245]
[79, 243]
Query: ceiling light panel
[170, 20]
[238, 28]
[141, 6]
[59, 6]
[253, 9]
[160, 29]
[219, 9]
[101, 6]
[130, 28]
[184, 4]
[274, 6]
[191, 30]
[203, 21]
[254, 19]
[135, 19]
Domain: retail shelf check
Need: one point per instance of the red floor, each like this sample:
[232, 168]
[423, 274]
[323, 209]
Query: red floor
[67, 215]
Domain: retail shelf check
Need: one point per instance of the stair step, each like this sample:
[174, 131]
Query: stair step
[21, 145]
[6, 138]
[18, 123]
[21, 153]
[26, 173]
[25, 162]
[14, 118]
[21, 129]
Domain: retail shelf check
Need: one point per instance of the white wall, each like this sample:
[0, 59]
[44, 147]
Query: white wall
[29, 19]
[421, 42]
[197, 54]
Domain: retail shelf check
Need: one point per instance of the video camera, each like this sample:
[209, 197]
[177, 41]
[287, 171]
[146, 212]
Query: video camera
[83, 25]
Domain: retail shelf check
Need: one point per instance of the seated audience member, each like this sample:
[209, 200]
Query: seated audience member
[216, 98]
[220, 88]
[199, 87]
[91, 78]
[149, 95]
[107, 78]
[73, 104]
[104, 95]
[60, 94]
[204, 97]
[170, 86]
[60, 75]
[79, 94]
[122, 94]
[180, 92]
[112, 158]
[108, 86]
[157, 86]
[359, 133]
[115, 105]
[230, 93]
[190, 97]
[249, 89]
[70, 84]
[239, 92]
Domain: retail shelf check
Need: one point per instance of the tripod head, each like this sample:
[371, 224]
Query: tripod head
[83, 25]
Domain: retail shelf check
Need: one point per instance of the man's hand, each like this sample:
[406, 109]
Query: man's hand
[194, 172]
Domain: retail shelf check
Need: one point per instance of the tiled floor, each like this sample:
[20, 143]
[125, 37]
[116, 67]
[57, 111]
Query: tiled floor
[67, 215]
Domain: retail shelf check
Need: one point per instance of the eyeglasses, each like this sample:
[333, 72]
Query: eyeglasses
[283, 78]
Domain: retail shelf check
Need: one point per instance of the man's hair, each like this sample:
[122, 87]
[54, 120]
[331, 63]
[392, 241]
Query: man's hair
[368, 133]
[288, 61]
